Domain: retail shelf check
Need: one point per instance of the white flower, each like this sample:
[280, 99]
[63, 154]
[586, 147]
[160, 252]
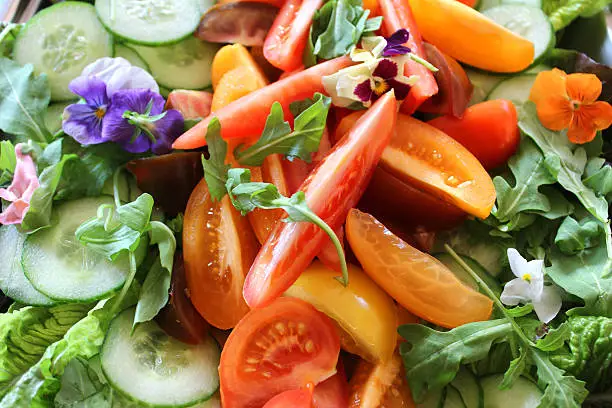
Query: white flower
[371, 49]
[528, 287]
[119, 74]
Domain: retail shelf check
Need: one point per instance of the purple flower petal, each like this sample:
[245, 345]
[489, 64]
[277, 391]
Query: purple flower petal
[386, 69]
[140, 145]
[364, 91]
[400, 88]
[83, 124]
[395, 50]
[92, 89]
[136, 100]
[398, 38]
[167, 130]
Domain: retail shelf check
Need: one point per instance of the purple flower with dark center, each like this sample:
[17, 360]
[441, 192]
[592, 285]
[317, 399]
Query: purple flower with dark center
[395, 43]
[138, 123]
[382, 80]
[83, 120]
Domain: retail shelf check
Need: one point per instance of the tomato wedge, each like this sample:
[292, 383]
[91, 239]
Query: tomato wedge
[191, 104]
[218, 247]
[333, 188]
[284, 346]
[417, 281]
[421, 155]
[286, 40]
[293, 398]
[489, 130]
[333, 392]
[380, 385]
[234, 56]
[256, 105]
[365, 314]
[397, 15]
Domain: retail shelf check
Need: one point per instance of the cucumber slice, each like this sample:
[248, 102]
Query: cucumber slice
[523, 394]
[61, 267]
[131, 56]
[185, 65]
[53, 116]
[464, 276]
[529, 22]
[150, 22]
[469, 388]
[433, 399]
[453, 398]
[483, 83]
[487, 4]
[515, 89]
[12, 280]
[60, 41]
[205, 5]
[151, 367]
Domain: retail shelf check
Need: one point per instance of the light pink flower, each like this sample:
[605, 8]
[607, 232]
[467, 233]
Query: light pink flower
[20, 191]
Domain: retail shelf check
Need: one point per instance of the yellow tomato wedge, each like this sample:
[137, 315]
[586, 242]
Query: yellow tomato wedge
[416, 280]
[363, 311]
[429, 159]
[231, 57]
[466, 35]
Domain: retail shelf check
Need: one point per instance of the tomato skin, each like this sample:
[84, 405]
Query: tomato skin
[333, 392]
[331, 190]
[233, 56]
[277, 3]
[293, 398]
[288, 36]
[396, 15]
[489, 130]
[256, 106]
[284, 346]
[191, 104]
[417, 281]
[214, 277]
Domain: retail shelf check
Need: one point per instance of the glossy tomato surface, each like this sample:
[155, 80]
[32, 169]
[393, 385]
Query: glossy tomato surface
[333, 392]
[219, 247]
[285, 346]
[301, 398]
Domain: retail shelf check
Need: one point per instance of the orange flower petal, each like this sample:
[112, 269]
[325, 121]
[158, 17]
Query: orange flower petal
[584, 88]
[548, 84]
[580, 134]
[587, 120]
[555, 113]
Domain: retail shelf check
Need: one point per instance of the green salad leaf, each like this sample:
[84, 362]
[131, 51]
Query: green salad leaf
[562, 12]
[8, 161]
[215, 169]
[8, 34]
[576, 236]
[83, 386]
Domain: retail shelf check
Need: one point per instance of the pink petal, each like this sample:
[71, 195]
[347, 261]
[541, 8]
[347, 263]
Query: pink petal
[19, 193]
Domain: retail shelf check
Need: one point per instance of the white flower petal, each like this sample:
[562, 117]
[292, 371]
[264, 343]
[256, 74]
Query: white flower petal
[518, 264]
[375, 45]
[549, 304]
[516, 291]
[535, 269]
[119, 74]
[104, 67]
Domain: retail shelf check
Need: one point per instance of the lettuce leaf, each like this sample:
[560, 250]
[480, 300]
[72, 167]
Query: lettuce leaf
[562, 12]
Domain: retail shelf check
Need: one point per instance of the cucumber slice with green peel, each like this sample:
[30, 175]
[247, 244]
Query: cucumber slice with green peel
[12, 279]
[483, 83]
[453, 398]
[523, 394]
[469, 388]
[131, 56]
[465, 276]
[62, 268]
[185, 65]
[150, 22]
[529, 22]
[515, 89]
[60, 41]
[53, 116]
[151, 367]
[487, 4]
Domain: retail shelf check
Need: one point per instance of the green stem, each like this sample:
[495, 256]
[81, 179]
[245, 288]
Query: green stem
[116, 186]
[127, 284]
[521, 335]
[423, 62]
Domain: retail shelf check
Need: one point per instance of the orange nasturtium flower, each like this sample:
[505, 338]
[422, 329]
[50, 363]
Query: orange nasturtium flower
[570, 102]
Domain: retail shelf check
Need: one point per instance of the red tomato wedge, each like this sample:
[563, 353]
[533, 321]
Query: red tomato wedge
[489, 130]
[191, 104]
[218, 247]
[293, 398]
[288, 36]
[331, 190]
[284, 346]
[246, 117]
[396, 15]
[333, 392]
[416, 280]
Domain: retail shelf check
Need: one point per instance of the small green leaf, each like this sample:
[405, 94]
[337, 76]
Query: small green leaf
[574, 237]
[8, 161]
[515, 370]
[555, 338]
[520, 311]
[215, 169]
[137, 214]
[153, 294]
[163, 237]
[561, 391]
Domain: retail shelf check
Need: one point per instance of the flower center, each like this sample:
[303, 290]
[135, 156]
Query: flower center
[527, 277]
[575, 105]
[380, 86]
[100, 112]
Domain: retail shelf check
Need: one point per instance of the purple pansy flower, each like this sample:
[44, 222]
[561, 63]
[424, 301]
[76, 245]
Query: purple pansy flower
[382, 80]
[137, 122]
[83, 121]
[395, 43]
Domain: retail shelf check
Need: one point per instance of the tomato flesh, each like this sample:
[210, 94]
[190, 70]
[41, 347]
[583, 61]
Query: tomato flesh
[333, 392]
[331, 190]
[284, 346]
[191, 104]
[218, 247]
[293, 398]
[417, 281]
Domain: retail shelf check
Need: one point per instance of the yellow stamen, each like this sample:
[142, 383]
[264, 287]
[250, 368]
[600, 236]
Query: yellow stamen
[527, 277]
[380, 87]
[100, 112]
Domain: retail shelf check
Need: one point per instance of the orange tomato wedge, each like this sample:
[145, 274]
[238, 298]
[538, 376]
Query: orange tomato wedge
[231, 57]
[427, 158]
[417, 281]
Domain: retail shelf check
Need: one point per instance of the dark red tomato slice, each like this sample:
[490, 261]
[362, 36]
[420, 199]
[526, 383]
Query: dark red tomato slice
[170, 178]
[191, 104]
[331, 190]
[284, 346]
[489, 130]
[179, 318]
[286, 40]
[455, 88]
[333, 392]
[294, 398]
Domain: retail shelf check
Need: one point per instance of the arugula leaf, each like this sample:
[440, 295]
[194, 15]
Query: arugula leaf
[24, 97]
[598, 176]
[517, 367]
[561, 391]
[574, 237]
[433, 358]
[8, 161]
[7, 37]
[562, 12]
[565, 165]
[277, 136]
[215, 169]
[555, 338]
